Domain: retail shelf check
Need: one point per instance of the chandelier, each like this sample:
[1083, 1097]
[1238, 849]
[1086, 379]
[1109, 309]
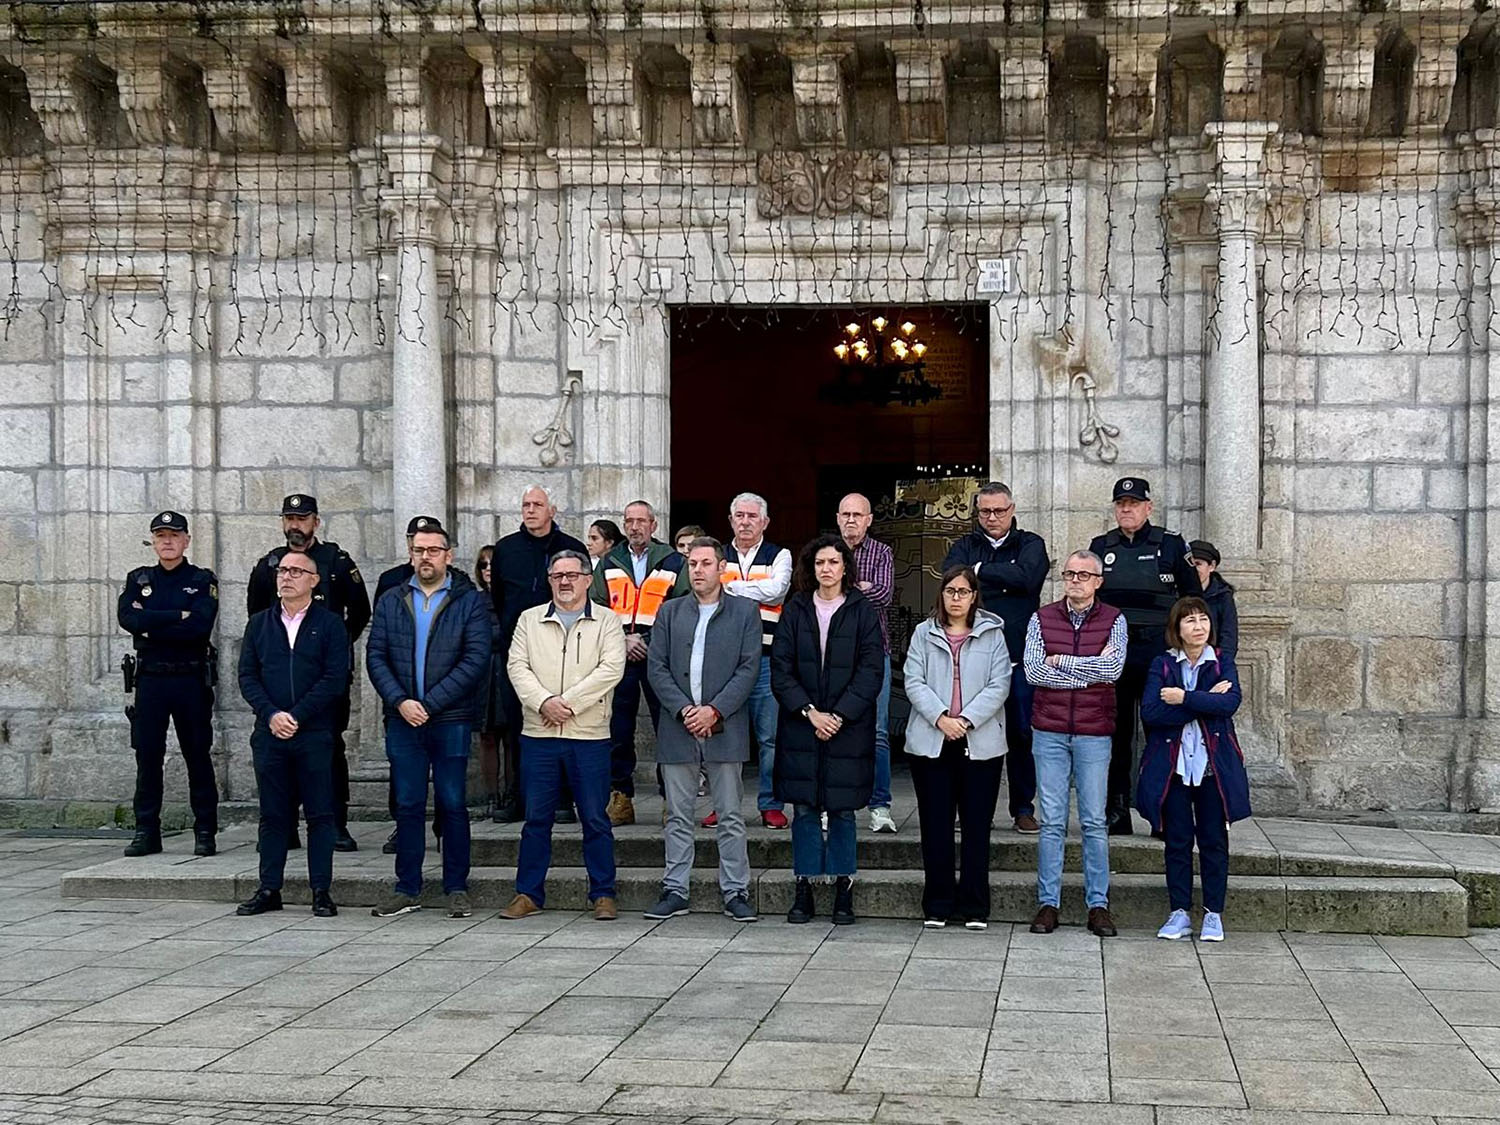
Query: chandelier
[880, 364]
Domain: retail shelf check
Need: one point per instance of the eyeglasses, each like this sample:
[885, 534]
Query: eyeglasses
[1080, 575]
[996, 511]
[294, 572]
[485, 565]
[962, 593]
[429, 552]
[565, 575]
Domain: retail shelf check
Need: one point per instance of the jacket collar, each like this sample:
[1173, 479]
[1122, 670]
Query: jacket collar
[588, 610]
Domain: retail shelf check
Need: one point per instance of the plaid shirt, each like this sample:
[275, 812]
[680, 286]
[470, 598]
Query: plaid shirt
[875, 563]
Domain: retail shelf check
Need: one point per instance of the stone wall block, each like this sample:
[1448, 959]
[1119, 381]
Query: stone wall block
[534, 333]
[1400, 433]
[17, 492]
[25, 438]
[1413, 675]
[1359, 379]
[1396, 609]
[513, 377]
[255, 436]
[1335, 488]
[1442, 380]
[1326, 674]
[28, 672]
[375, 426]
[26, 384]
[1447, 488]
[295, 382]
[1333, 548]
[233, 381]
[364, 380]
[1399, 488]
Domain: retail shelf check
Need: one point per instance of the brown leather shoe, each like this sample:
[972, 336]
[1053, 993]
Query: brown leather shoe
[620, 810]
[520, 907]
[1026, 824]
[1101, 923]
[1045, 921]
[604, 910]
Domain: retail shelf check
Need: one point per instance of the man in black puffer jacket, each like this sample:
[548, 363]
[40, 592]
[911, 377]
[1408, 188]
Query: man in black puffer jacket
[294, 673]
[1012, 566]
[428, 655]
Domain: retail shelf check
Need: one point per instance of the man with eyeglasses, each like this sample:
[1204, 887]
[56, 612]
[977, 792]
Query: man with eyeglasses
[1146, 569]
[428, 656]
[565, 661]
[342, 590]
[294, 668]
[1075, 648]
[1012, 566]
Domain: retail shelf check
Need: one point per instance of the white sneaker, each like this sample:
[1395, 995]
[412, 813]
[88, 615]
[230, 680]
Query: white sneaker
[1213, 927]
[1178, 926]
[934, 923]
[880, 820]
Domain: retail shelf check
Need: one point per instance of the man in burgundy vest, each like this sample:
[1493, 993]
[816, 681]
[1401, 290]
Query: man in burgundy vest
[1075, 650]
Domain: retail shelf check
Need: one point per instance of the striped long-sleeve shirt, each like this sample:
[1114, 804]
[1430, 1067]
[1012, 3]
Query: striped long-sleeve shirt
[1072, 672]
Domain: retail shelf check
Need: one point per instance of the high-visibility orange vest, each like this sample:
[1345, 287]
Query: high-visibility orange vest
[637, 606]
[758, 570]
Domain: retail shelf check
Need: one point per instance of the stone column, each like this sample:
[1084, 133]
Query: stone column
[1232, 423]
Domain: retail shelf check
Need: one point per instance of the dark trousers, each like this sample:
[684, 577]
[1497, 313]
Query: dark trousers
[340, 771]
[510, 753]
[1128, 691]
[187, 703]
[627, 703]
[286, 769]
[441, 749]
[1189, 812]
[546, 762]
[943, 784]
[1020, 767]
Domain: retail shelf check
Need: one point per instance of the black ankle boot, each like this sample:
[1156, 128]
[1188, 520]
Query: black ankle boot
[803, 908]
[843, 901]
[144, 842]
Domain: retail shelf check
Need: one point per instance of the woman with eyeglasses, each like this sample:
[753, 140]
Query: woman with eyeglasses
[827, 663]
[957, 676]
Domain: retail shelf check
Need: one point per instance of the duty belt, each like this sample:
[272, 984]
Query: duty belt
[169, 668]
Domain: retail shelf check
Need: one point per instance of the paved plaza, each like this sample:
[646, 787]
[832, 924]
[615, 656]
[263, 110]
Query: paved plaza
[178, 1012]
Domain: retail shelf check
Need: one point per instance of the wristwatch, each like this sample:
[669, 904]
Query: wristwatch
[807, 711]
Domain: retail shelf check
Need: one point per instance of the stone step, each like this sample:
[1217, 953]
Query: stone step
[1426, 906]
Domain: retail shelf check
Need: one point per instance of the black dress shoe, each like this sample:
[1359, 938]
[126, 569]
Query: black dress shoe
[343, 842]
[389, 847]
[203, 844]
[1118, 823]
[508, 811]
[260, 902]
[566, 815]
[323, 906]
[144, 843]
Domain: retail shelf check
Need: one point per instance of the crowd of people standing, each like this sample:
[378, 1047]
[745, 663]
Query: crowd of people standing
[736, 647]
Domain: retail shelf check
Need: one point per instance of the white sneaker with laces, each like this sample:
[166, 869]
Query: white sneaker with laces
[1212, 928]
[1178, 926]
[881, 820]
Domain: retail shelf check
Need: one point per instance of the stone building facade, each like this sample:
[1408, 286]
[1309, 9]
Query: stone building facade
[413, 256]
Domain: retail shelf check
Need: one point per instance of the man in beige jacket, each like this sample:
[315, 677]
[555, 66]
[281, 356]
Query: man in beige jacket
[565, 661]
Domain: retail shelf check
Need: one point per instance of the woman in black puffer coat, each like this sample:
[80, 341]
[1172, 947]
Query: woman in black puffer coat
[826, 667]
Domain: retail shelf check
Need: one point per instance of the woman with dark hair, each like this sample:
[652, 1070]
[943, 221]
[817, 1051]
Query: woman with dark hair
[602, 538]
[957, 677]
[827, 663]
[1192, 782]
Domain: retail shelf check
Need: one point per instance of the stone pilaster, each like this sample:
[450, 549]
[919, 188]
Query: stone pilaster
[614, 92]
[1132, 87]
[719, 105]
[1232, 408]
[922, 89]
[818, 89]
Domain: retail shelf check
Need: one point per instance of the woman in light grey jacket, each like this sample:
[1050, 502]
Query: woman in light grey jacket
[957, 678]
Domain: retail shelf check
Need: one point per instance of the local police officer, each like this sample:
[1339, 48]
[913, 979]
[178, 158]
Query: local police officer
[1146, 569]
[341, 589]
[170, 610]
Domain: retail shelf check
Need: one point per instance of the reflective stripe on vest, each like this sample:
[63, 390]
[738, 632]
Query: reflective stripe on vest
[770, 615]
[638, 607]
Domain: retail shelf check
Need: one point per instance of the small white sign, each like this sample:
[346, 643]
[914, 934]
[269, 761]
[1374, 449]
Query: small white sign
[659, 279]
[996, 275]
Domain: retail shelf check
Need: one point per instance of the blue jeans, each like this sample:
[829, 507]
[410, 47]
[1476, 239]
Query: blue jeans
[811, 854]
[763, 712]
[880, 796]
[443, 749]
[1082, 761]
[544, 762]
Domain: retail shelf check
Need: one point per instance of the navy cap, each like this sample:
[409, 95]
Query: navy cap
[1132, 488]
[169, 521]
[1203, 549]
[299, 504]
[425, 525]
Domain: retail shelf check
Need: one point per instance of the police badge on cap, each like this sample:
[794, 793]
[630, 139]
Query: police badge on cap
[169, 521]
[425, 525]
[299, 504]
[1132, 488]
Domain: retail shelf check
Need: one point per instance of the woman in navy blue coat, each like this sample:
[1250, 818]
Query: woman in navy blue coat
[1192, 782]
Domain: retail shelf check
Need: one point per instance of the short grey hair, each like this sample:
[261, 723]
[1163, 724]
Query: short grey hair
[543, 489]
[639, 504]
[707, 541]
[754, 498]
[1090, 556]
[568, 553]
[997, 488]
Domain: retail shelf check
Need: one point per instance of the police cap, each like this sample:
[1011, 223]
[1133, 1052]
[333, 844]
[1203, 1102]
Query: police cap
[169, 521]
[299, 504]
[1132, 488]
[425, 525]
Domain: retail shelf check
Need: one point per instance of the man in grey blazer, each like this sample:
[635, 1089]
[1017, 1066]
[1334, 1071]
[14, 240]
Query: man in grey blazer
[703, 662]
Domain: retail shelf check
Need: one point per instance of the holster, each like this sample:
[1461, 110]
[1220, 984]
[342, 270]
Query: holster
[127, 671]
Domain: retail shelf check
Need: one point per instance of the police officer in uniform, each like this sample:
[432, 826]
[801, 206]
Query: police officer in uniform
[341, 589]
[1146, 569]
[170, 610]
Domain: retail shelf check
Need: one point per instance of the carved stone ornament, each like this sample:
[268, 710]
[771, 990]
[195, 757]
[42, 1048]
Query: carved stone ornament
[797, 183]
[556, 437]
